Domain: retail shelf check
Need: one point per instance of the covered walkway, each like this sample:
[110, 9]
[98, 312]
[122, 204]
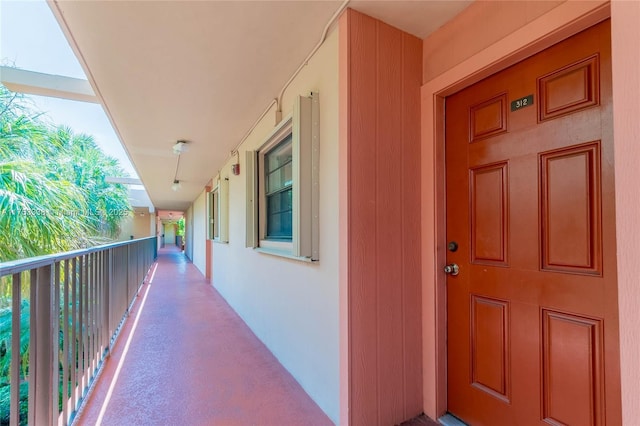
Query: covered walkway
[185, 357]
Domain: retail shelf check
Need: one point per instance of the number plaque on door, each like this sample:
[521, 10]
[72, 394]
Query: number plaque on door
[521, 103]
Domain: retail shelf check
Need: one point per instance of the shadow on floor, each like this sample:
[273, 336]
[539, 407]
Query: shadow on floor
[191, 360]
[421, 420]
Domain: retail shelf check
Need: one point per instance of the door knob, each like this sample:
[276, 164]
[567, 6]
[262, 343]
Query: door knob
[452, 269]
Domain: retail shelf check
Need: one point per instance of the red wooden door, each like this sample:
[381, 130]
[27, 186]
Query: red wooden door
[532, 314]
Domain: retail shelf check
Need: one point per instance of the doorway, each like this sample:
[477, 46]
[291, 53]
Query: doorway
[532, 298]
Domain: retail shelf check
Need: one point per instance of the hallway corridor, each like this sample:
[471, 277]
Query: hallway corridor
[191, 360]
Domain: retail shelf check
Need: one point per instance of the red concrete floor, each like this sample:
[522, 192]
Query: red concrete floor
[193, 361]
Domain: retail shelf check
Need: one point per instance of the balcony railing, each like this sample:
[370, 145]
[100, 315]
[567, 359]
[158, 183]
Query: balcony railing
[66, 310]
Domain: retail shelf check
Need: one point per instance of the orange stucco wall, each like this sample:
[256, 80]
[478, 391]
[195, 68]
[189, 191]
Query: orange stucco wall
[476, 44]
[380, 77]
[462, 37]
[625, 16]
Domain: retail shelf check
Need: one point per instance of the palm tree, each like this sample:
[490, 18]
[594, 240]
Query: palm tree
[80, 159]
[34, 212]
[53, 197]
[53, 193]
[53, 190]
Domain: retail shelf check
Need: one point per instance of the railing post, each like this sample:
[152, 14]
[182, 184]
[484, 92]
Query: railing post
[54, 320]
[106, 299]
[92, 319]
[82, 317]
[41, 347]
[136, 270]
[65, 341]
[155, 249]
[75, 283]
[33, 285]
[14, 413]
[98, 286]
[128, 278]
[141, 264]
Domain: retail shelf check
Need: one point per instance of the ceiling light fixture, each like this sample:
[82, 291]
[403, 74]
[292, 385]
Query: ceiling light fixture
[180, 147]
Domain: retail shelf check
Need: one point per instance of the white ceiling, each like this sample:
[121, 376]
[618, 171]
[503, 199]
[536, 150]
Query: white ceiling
[203, 71]
[170, 215]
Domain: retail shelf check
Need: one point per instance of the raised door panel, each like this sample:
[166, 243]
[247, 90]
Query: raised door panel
[570, 209]
[488, 118]
[489, 198]
[569, 89]
[572, 369]
[490, 354]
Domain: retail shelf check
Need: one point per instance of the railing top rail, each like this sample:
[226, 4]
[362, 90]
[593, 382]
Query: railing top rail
[20, 265]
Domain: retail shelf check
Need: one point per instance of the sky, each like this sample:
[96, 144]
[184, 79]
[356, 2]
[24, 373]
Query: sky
[31, 39]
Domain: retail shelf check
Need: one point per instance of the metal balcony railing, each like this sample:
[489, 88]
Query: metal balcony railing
[66, 310]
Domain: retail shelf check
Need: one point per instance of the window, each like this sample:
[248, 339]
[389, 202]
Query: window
[282, 186]
[214, 228]
[217, 206]
[278, 179]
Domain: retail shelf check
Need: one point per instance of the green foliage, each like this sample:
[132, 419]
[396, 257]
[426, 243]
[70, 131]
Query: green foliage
[5, 403]
[53, 197]
[30, 203]
[180, 230]
[53, 191]
[5, 362]
[5, 342]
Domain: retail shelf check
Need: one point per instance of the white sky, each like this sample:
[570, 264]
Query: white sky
[31, 39]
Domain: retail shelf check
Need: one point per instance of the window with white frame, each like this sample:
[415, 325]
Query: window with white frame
[282, 186]
[277, 164]
[217, 206]
[214, 229]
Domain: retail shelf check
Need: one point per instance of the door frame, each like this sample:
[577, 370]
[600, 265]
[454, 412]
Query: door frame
[554, 26]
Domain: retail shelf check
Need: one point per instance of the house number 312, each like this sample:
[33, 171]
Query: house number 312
[521, 103]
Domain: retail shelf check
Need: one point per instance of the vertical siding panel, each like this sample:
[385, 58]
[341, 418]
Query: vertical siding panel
[343, 217]
[362, 201]
[411, 204]
[389, 224]
[383, 72]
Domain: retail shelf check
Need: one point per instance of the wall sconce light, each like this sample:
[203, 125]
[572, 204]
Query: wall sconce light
[176, 185]
[235, 168]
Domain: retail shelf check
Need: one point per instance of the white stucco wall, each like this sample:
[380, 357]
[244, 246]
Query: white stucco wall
[169, 230]
[292, 306]
[188, 231]
[126, 228]
[199, 232]
[138, 226]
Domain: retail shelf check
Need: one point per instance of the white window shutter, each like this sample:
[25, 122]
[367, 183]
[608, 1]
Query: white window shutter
[211, 216]
[252, 199]
[315, 176]
[223, 216]
[305, 175]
